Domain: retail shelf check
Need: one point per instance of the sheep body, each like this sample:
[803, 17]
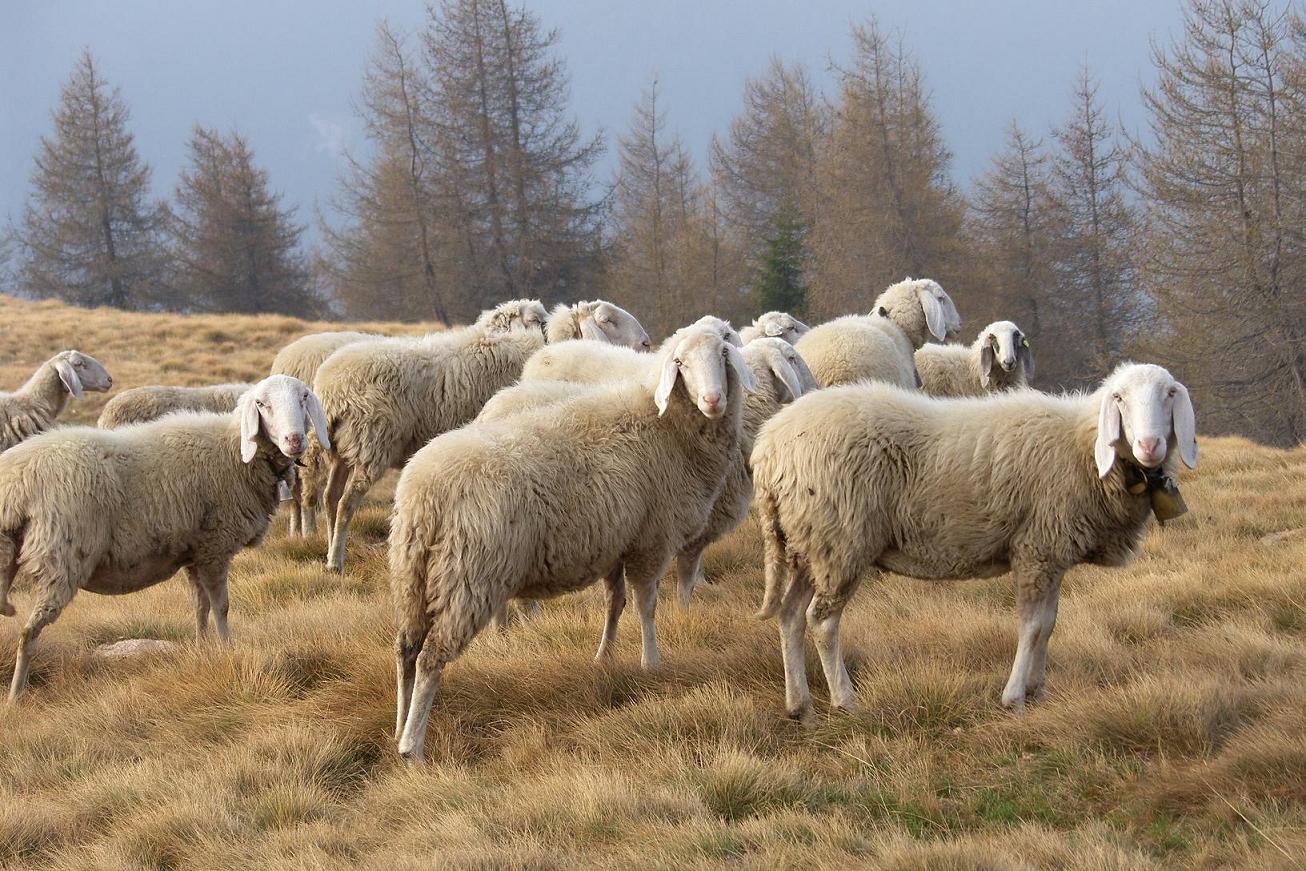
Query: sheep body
[552, 499]
[870, 477]
[32, 408]
[999, 359]
[141, 404]
[880, 346]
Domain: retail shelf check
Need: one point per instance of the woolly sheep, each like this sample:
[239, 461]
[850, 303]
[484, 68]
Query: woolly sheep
[596, 363]
[776, 325]
[869, 478]
[32, 408]
[598, 321]
[879, 346]
[549, 500]
[116, 511]
[970, 370]
[386, 398]
[141, 404]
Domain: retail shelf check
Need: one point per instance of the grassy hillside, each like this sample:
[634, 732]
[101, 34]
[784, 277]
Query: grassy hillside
[1174, 733]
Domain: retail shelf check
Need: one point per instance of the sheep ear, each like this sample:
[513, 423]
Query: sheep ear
[68, 375]
[1108, 431]
[1184, 420]
[737, 360]
[788, 378]
[986, 363]
[935, 318]
[666, 383]
[247, 408]
[317, 417]
[1026, 356]
[591, 330]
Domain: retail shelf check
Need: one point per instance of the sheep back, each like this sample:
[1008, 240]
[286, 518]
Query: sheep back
[858, 348]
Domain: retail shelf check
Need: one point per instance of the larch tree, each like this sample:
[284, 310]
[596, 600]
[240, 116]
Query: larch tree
[90, 231]
[236, 247]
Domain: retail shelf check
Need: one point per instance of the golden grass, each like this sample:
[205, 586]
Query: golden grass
[1174, 734]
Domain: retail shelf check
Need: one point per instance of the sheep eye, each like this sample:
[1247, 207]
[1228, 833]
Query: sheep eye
[1171, 392]
[1117, 397]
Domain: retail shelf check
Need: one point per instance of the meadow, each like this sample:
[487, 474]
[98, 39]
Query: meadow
[1173, 735]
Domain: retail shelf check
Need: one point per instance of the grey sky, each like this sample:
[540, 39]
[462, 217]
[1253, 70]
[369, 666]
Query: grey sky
[284, 72]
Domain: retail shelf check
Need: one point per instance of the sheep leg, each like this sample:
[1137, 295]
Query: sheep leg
[337, 475]
[8, 568]
[296, 527]
[446, 639]
[354, 491]
[643, 575]
[499, 622]
[615, 584]
[406, 650]
[793, 629]
[824, 614]
[57, 596]
[308, 492]
[1035, 588]
[201, 604]
[212, 583]
[689, 571]
[1035, 683]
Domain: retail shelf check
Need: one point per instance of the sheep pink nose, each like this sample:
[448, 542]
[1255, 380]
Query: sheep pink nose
[295, 441]
[712, 400]
[1150, 446]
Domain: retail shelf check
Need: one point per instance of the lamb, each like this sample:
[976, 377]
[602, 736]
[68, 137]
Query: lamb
[879, 346]
[871, 478]
[598, 321]
[549, 500]
[960, 370]
[116, 511]
[595, 363]
[777, 325]
[386, 398]
[141, 404]
[32, 408]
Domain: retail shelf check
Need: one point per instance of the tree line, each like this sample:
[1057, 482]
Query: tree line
[1181, 243]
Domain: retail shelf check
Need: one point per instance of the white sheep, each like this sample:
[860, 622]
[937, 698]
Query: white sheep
[867, 478]
[32, 408]
[141, 404]
[999, 359]
[549, 500]
[385, 398]
[597, 363]
[775, 325]
[116, 511]
[879, 346]
[598, 321]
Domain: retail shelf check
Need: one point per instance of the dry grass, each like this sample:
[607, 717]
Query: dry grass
[1174, 734]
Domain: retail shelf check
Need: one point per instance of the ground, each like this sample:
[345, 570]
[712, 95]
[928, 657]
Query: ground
[1173, 735]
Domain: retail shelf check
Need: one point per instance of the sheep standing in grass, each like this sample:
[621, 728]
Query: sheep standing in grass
[385, 398]
[871, 478]
[775, 325]
[141, 404]
[550, 500]
[32, 408]
[116, 511]
[880, 346]
[1000, 359]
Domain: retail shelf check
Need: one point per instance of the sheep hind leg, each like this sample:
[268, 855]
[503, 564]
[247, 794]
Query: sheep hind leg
[337, 475]
[1035, 589]
[8, 569]
[689, 572]
[57, 597]
[615, 585]
[354, 491]
[824, 614]
[793, 630]
[406, 650]
[445, 641]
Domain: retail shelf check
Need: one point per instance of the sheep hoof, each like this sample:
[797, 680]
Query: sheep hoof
[1015, 706]
[1035, 693]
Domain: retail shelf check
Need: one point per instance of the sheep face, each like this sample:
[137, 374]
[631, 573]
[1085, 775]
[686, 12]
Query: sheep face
[80, 372]
[786, 364]
[698, 357]
[1003, 343]
[281, 409]
[604, 322]
[780, 325]
[723, 328]
[1146, 412]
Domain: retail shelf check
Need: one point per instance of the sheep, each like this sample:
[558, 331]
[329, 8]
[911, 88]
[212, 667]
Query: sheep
[968, 370]
[547, 501]
[872, 478]
[32, 408]
[777, 325]
[597, 321]
[386, 398]
[116, 511]
[141, 404]
[879, 346]
[595, 363]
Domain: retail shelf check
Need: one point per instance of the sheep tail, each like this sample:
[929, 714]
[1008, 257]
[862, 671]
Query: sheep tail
[775, 545]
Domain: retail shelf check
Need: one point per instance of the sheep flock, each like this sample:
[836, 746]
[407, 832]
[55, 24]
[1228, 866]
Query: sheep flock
[542, 451]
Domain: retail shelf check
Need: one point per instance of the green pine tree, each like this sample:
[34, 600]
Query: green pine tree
[781, 286]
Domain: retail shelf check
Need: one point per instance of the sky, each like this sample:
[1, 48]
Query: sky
[286, 73]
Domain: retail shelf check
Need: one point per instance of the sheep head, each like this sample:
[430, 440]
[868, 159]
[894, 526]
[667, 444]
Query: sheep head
[779, 325]
[1143, 414]
[792, 376]
[1003, 343]
[602, 321]
[921, 308]
[514, 316]
[280, 409]
[80, 372]
[699, 357]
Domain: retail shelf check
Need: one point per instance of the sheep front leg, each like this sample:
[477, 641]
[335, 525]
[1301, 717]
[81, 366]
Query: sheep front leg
[615, 585]
[689, 572]
[1037, 589]
[57, 596]
[642, 574]
[201, 604]
[210, 579]
[1035, 683]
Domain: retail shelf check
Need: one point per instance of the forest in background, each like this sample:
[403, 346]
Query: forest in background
[1180, 244]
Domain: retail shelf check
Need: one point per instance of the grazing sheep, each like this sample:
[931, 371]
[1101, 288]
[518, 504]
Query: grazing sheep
[386, 398]
[141, 404]
[598, 321]
[969, 370]
[879, 346]
[775, 325]
[871, 478]
[32, 408]
[116, 511]
[596, 363]
[550, 500]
